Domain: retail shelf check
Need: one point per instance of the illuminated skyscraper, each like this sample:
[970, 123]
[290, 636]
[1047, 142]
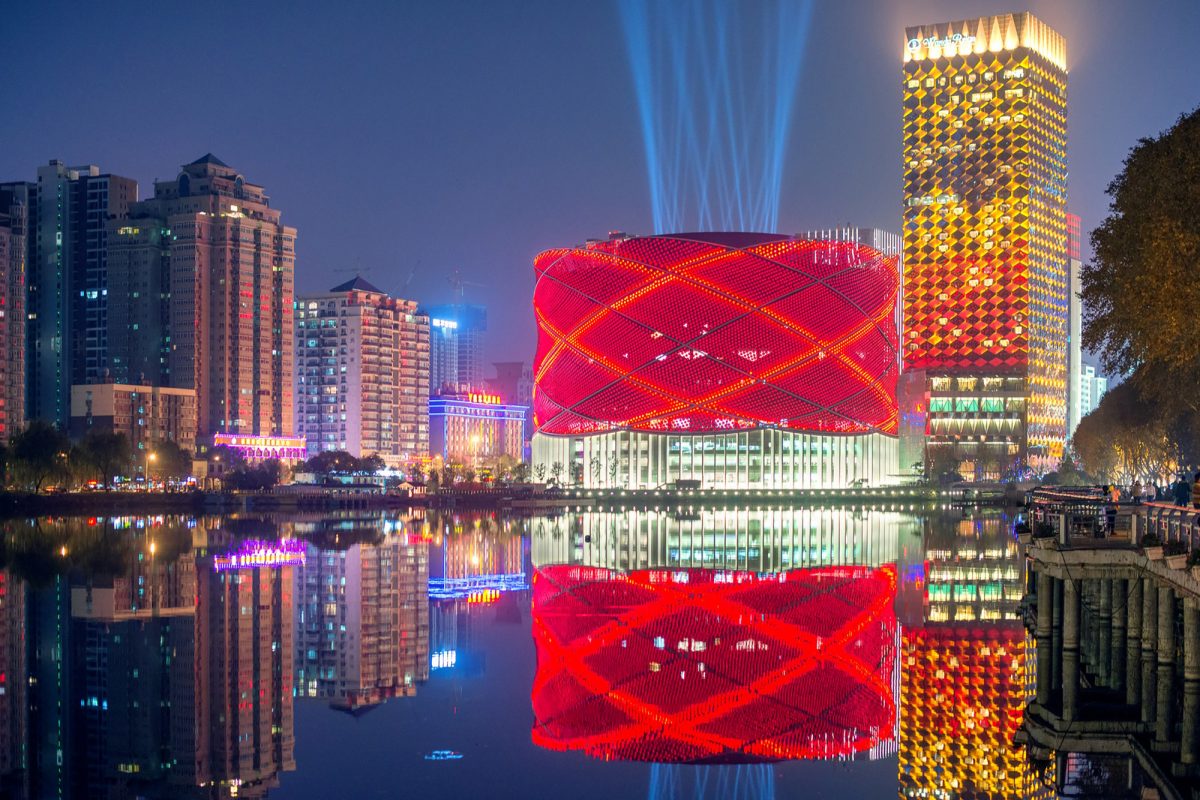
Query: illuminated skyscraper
[456, 348]
[985, 241]
[68, 210]
[212, 243]
[12, 313]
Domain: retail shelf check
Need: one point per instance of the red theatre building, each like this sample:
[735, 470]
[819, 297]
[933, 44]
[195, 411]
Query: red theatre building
[739, 360]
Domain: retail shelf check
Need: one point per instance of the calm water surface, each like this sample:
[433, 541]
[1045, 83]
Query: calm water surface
[753, 653]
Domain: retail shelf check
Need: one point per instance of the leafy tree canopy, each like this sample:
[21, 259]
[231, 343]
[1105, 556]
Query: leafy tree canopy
[1141, 292]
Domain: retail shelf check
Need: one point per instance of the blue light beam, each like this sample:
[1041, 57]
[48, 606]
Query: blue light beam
[716, 89]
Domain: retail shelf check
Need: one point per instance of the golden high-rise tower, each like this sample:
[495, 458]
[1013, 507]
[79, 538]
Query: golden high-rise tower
[985, 244]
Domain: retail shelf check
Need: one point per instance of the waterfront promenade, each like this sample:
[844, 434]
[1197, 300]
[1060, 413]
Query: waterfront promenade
[1117, 627]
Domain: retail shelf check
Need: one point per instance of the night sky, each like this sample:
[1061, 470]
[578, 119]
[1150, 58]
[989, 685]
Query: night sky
[412, 139]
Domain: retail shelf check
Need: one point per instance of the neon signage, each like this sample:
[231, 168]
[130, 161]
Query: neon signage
[956, 39]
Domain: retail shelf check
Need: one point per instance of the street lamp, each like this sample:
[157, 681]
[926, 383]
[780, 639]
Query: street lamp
[149, 458]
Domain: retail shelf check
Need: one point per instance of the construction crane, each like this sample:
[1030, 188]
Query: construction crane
[459, 283]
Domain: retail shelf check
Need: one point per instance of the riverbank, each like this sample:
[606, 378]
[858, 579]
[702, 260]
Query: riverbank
[15, 505]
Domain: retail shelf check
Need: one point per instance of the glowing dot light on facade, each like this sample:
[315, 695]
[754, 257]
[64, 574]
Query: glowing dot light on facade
[741, 360]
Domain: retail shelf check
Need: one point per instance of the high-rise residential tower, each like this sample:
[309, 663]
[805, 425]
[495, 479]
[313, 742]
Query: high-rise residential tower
[68, 210]
[985, 242]
[12, 314]
[362, 373]
[202, 277]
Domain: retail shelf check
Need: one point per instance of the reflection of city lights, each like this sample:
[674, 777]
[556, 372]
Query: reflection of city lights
[699, 665]
[458, 588]
[255, 553]
[443, 659]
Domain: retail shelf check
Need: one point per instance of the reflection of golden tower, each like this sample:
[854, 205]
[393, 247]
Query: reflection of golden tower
[985, 238]
[967, 673]
[962, 698]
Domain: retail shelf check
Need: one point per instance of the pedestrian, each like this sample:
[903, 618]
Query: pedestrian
[1181, 491]
[1135, 491]
[1114, 497]
[1196, 492]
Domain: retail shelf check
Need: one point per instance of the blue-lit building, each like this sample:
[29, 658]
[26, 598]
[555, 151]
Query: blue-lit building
[473, 427]
[456, 332]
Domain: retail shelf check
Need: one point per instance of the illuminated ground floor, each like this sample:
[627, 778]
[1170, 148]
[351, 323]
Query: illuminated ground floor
[756, 459]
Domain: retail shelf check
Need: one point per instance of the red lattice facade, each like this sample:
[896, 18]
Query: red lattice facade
[698, 665]
[703, 333]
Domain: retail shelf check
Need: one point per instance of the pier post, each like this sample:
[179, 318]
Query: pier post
[1045, 650]
[1133, 654]
[1189, 751]
[1120, 634]
[1164, 718]
[1056, 637]
[1104, 633]
[1070, 684]
[1149, 642]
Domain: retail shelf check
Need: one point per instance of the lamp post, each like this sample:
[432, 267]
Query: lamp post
[149, 459]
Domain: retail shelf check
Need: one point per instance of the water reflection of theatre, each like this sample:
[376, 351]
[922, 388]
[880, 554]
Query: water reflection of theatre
[717, 636]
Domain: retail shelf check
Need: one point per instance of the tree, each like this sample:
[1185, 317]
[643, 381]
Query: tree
[520, 472]
[539, 472]
[556, 471]
[1070, 473]
[596, 466]
[1140, 292]
[39, 454]
[941, 465]
[257, 477]
[226, 456]
[370, 464]
[105, 454]
[330, 461]
[171, 461]
[1125, 438]
[613, 469]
